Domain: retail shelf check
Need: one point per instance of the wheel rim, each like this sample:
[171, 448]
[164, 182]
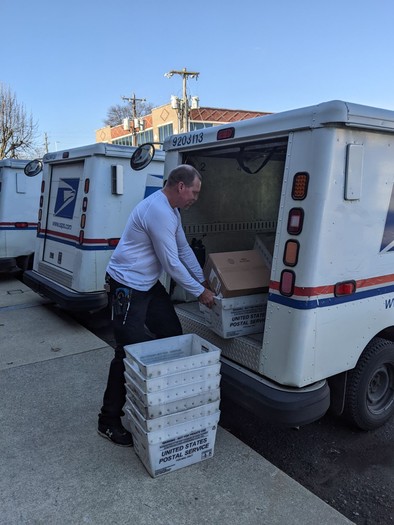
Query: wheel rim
[380, 393]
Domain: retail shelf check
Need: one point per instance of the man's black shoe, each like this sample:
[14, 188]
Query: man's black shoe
[117, 434]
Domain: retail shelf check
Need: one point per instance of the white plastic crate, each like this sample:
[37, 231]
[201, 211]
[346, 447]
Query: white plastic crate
[161, 409]
[155, 384]
[172, 354]
[177, 418]
[171, 394]
[174, 447]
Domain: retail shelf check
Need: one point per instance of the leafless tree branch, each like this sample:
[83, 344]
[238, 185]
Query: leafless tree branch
[18, 131]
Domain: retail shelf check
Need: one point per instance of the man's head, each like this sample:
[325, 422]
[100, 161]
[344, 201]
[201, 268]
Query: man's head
[183, 186]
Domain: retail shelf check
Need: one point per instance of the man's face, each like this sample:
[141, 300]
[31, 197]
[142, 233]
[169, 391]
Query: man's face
[188, 195]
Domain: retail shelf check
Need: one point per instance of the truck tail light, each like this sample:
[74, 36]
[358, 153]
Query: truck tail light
[226, 133]
[83, 220]
[113, 242]
[290, 257]
[21, 225]
[42, 186]
[286, 285]
[81, 237]
[85, 204]
[300, 186]
[295, 221]
[344, 288]
[86, 186]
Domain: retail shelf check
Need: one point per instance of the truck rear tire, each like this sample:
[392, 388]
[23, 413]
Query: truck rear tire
[369, 401]
[25, 262]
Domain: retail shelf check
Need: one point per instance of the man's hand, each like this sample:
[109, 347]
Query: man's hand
[207, 298]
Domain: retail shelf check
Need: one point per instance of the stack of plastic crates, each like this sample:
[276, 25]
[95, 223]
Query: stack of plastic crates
[172, 403]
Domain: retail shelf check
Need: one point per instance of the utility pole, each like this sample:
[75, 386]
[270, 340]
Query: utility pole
[136, 123]
[46, 144]
[182, 105]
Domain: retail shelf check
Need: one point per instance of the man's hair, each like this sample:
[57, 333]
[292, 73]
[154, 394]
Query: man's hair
[183, 173]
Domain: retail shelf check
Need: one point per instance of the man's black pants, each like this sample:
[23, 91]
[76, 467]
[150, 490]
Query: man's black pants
[132, 312]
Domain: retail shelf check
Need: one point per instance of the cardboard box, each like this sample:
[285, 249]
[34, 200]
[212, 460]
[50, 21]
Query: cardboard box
[236, 316]
[234, 274]
[175, 447]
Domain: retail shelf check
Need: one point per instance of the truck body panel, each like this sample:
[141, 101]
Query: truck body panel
[88, 196]
[332, 280]
[19, 197]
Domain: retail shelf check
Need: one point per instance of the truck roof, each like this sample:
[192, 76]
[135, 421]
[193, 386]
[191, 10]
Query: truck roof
[334, 112]
[13, 163]
[98, 148]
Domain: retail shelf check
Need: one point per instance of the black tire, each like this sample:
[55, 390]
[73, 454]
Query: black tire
[369, 401]
[25, 262]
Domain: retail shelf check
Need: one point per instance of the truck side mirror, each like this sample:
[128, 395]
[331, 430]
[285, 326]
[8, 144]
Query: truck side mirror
[142, 156]
[33, 168]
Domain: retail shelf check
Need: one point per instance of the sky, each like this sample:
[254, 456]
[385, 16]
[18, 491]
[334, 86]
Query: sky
[69, 61]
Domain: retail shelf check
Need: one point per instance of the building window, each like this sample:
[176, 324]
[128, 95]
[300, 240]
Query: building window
[145, 136]
[124, 141]
[199, 125]
[165, 131]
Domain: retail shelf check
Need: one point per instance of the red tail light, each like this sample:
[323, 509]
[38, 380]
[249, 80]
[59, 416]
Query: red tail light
[227, 133]
[113, 242]
[344, 288]
[286, 285]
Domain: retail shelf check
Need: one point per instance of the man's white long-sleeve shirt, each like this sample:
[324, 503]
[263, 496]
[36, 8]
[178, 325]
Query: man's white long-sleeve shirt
[153, 241]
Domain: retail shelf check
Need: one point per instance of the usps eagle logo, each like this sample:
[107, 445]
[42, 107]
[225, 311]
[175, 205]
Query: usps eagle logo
[153, 183]
[66, 197]
[388, 232]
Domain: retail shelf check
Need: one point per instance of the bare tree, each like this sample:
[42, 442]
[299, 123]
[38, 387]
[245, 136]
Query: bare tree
[118, 112]
[17, 130]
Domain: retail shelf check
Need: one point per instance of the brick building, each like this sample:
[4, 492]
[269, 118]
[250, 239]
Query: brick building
[164, 121]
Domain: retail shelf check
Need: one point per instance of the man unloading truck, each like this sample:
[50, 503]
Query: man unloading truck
[152, 242]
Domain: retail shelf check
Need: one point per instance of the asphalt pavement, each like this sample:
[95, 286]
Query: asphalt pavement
[56, 469]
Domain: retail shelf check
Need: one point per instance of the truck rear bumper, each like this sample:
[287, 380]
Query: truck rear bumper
[66, 298]
[285, 406]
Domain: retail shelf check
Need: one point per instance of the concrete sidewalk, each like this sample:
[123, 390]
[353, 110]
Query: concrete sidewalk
[56, 469]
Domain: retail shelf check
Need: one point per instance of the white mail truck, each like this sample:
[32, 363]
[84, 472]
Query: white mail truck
[86, 197]
[19, 196]
[313, 189]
